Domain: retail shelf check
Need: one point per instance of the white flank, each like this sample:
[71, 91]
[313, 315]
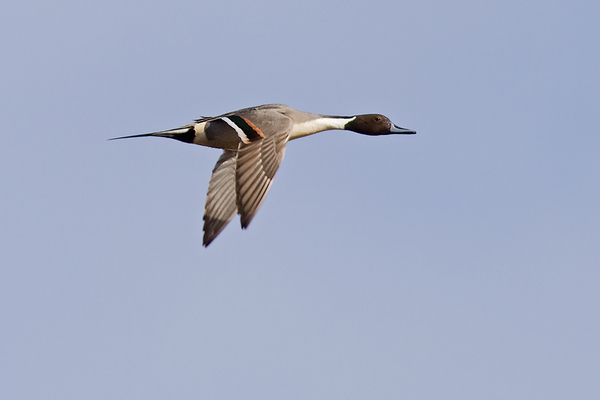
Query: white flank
[318, 125]
[200, 136]
[240, 132]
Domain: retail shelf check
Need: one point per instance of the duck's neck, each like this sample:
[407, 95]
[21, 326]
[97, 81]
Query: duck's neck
[320, 124]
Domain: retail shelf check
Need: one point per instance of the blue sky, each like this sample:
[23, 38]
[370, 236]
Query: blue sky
[458, 263]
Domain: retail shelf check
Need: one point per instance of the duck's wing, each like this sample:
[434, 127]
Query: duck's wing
[239, 183]
[241, 178]
[221, 205]
[256, 166]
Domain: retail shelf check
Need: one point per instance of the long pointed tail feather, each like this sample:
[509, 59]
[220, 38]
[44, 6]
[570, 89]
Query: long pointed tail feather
[132, 136]
[184, 134]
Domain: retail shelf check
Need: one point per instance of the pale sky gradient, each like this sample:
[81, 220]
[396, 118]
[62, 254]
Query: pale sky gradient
[459, 263]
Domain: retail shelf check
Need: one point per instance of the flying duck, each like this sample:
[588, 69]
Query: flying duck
[253, 141]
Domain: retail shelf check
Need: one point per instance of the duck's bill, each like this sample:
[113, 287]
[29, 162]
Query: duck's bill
[397, 129]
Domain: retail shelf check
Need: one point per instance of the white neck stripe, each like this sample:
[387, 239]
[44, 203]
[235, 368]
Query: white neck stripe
[318, 125]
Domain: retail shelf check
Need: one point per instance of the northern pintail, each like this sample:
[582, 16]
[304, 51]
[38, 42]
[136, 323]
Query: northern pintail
[253, 141]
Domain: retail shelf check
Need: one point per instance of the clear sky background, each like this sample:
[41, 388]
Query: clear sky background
[459, 263]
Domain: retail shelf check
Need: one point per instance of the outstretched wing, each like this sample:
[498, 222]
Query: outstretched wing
[221, 203]
[256, 165]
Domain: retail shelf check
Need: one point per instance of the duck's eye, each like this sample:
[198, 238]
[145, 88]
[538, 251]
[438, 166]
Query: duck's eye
[377, 119]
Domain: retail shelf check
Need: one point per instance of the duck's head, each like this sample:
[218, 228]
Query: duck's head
[375, 124]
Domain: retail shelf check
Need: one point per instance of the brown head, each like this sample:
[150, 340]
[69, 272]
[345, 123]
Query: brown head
[375, 124]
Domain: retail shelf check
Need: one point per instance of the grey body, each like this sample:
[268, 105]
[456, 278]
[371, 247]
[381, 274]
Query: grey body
[253, 142]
